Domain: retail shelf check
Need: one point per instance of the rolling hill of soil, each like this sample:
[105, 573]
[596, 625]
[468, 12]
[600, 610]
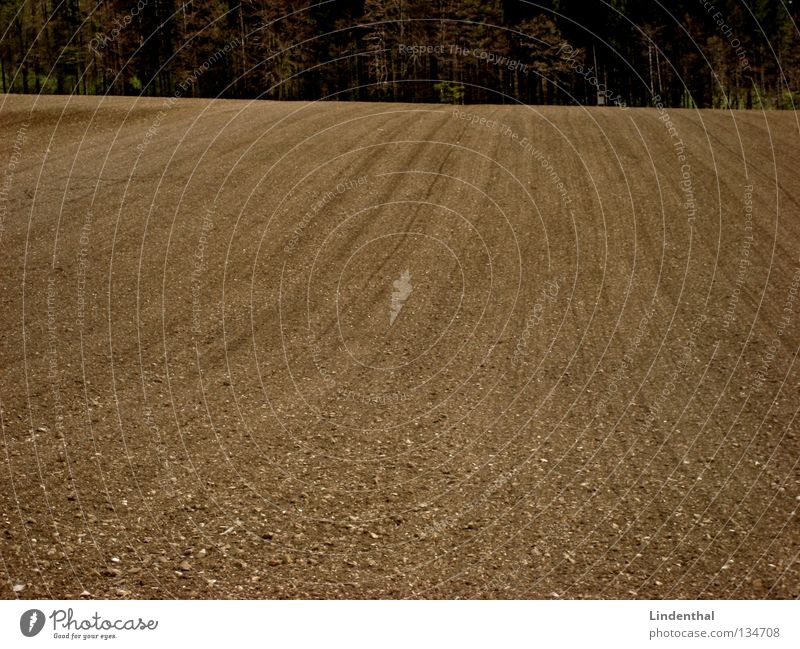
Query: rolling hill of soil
[348, 350]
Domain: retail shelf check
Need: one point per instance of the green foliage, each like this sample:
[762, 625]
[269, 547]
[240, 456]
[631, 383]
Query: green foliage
[450, 93]
[789, 100]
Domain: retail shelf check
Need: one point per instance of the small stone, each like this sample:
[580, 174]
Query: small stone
[18, 588]
[185, 565]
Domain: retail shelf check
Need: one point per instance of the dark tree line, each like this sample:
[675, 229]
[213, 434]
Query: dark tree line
[688, 52]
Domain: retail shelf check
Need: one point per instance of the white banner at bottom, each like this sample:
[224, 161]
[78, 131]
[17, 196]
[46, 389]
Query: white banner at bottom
[382, 624]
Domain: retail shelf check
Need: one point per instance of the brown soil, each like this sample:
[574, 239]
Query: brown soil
[588, 389]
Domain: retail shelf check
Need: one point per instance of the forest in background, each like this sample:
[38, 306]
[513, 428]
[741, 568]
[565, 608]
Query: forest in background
[686, 53]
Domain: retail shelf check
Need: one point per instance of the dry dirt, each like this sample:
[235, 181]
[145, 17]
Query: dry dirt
[342, 350]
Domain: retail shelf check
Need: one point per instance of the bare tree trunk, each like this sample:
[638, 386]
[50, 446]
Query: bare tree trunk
[241, 80]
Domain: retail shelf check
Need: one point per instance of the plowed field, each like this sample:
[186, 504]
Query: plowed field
[347, 350]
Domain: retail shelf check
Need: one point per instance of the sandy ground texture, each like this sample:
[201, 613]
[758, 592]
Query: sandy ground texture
[344, 350]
